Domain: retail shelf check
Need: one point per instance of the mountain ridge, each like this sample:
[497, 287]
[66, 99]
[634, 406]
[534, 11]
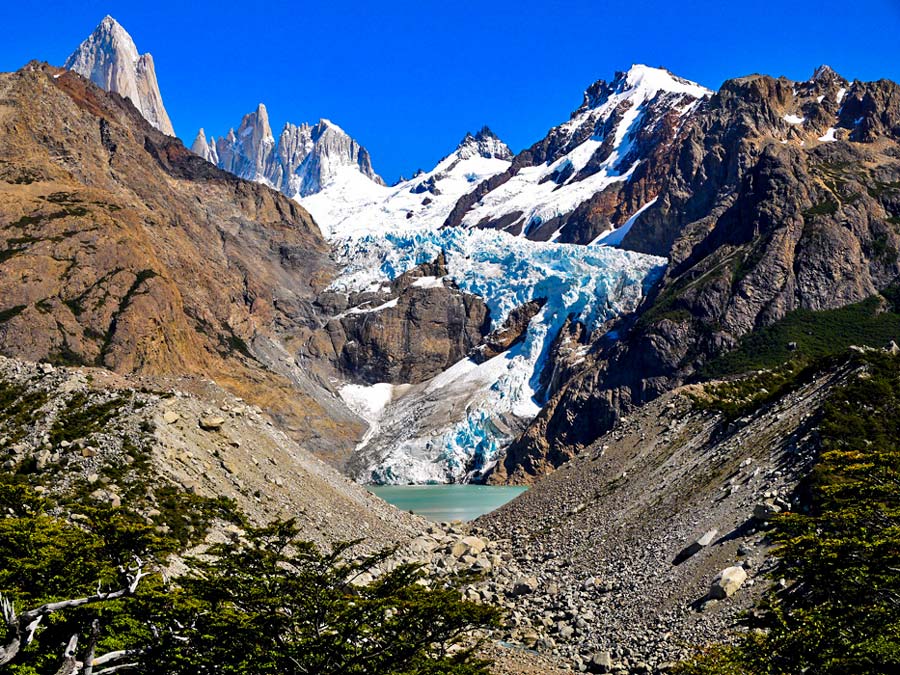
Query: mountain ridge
[303, 161]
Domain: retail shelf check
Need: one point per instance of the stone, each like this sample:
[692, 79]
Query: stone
[695, 546]
[170, 417]
[524, 586]
[476, 544]
[601, 662]
[765, 511]
[211, 422]
[727, 582]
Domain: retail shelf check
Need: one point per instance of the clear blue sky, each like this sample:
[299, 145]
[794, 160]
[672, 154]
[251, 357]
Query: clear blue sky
[407, 79]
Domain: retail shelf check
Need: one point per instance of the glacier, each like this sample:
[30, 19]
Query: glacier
[455, 426]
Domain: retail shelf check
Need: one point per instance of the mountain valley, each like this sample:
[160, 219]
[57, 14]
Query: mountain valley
[654, 317]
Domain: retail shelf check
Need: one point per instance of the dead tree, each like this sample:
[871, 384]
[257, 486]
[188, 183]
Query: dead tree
[21, 629]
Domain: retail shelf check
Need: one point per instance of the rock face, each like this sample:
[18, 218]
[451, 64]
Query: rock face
[512, 331]
[777, 195]
[589, 175]
[404, 333]
[110, 59]
[485, 144]
[120, 248]
[303, 161]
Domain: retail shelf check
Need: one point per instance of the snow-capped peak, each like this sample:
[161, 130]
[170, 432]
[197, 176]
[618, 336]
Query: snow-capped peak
[110, 59]
[348, 206]
[616, 128]
[483, 144]
[639, 82]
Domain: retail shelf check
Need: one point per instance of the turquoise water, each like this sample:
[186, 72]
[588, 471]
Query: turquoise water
[441, 503]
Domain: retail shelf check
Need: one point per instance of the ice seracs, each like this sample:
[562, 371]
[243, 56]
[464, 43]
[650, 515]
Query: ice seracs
[453, 427]
[110, 59]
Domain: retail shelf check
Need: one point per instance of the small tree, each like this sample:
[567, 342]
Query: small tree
[275, 605]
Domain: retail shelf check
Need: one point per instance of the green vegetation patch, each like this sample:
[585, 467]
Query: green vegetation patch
[827, 207]
[81, 417]
[19, 408]
[815, 334]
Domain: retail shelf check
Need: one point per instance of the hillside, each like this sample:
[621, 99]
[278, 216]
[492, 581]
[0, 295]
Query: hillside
[779, 196]
[605, 536]
[124, 250]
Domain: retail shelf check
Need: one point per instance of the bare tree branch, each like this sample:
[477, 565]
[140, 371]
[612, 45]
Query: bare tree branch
[22, 627]
[70, 664]
[117, 668]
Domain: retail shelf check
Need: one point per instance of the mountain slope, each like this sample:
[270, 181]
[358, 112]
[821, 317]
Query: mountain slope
[778, 196]
[110, 59]
[607, 529]
[141, 432]
[122, 249]
[588, 175]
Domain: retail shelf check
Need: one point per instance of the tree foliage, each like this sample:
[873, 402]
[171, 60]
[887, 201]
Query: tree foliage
[276, 605]
[267, 602]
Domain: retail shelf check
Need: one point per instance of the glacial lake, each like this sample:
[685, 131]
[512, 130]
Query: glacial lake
[440, 503]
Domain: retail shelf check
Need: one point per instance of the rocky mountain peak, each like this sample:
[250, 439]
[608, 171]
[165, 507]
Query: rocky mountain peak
[485, 144]
[205, 149]
[825, 73]
[639, 81]
[110, 59]
[303, 160]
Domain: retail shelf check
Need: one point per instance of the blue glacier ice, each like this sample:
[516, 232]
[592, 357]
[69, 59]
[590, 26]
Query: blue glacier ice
[590, 283]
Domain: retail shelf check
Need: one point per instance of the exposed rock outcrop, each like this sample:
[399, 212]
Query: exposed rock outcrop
[405, 333]
[120, 248]
[110, 59]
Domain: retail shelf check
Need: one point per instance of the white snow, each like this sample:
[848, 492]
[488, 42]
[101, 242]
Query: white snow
[353, 205]
[428, 282]
[615, 236]
[458, 423]
[828, 136]
[532, 192]
[369, 401]
[369, 310]
[794, 119]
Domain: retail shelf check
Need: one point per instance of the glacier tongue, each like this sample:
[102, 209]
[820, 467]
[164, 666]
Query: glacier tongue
[454, 426]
